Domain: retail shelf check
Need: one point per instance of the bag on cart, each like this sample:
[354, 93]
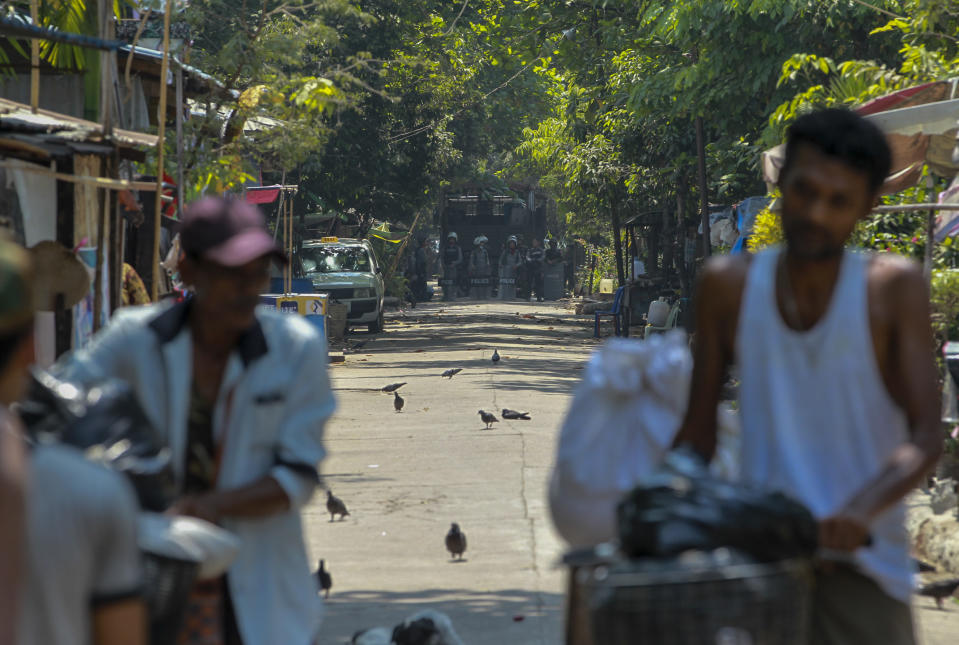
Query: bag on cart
[683, 507]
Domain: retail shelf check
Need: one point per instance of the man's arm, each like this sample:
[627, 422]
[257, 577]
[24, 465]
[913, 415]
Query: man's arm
[914, 388]
[118, 612]
[120, 623]
[12, 517]
[261, 498]
[717, 305]
[299, 449]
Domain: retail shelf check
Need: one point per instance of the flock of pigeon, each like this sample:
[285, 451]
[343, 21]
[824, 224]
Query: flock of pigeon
[455, 538]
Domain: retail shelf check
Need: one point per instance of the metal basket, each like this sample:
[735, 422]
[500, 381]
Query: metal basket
[742, 604]
[168, 585]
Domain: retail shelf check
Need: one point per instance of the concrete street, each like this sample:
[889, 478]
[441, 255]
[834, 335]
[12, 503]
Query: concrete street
[405, 476]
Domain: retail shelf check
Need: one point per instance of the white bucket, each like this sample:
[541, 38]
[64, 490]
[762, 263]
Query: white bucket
[658, 312]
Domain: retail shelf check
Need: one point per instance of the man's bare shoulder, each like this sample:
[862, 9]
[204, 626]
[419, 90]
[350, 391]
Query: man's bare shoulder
[894, 276]
[723, 279]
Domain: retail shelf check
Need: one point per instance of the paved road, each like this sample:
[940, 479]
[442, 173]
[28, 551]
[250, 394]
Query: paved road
[406, 476]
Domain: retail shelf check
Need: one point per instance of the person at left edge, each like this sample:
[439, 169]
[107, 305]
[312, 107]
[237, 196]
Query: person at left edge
[242, 394]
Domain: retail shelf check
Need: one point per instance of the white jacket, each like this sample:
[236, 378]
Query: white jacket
[274, 402]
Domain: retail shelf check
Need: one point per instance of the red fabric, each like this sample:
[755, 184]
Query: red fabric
[171, 208]
[890, 101]
[262, 196]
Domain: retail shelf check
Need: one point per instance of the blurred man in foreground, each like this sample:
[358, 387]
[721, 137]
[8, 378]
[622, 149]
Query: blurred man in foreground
[80, 579]
[838, 397]
[12, 465]
[242, 396]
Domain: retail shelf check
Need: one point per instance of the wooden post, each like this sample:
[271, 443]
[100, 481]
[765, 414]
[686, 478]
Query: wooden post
[592, 269]
[684, 277]
[161, 133]
[34, 60]
[668, 239]
[98, 271]
[65, 235]
[289, 243]
[703, 185]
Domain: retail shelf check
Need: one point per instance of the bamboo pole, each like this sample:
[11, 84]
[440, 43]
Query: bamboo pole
[101, 242]
[106, 70]
[161, 133]
[34, 60]
[179, 139]
[409, 235]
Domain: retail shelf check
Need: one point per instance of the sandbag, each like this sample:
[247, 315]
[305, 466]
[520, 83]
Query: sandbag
[683, 507]
[109, 425]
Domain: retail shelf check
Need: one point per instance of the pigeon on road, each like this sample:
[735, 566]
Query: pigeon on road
[514, 415]
[456, 541]
[398, 401]
[323, 579]
[495, 358]
[335, 506]
[392, 387]
[939, 589]
[488, 418]
[450, 373]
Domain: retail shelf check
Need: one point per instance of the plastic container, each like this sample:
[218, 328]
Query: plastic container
[658, 313]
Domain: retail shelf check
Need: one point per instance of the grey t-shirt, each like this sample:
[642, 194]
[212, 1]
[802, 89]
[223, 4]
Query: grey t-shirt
[81, 546]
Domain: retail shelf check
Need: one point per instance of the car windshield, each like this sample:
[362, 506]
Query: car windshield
[335, 259]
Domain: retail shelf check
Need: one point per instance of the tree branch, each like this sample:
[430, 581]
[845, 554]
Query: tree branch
[456, 19]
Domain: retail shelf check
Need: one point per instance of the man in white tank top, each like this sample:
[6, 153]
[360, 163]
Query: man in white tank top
[838, 393]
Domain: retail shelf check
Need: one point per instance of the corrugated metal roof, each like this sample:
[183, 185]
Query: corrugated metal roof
[157, 56]
[18, 117]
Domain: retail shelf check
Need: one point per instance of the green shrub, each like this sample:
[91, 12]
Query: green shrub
[767, 230]
[945, 305]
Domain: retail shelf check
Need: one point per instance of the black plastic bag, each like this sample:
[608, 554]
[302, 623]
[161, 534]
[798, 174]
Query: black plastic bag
[109, 425]
[684, 507]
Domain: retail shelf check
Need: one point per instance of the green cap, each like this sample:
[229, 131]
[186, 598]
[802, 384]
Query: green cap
[16, 287]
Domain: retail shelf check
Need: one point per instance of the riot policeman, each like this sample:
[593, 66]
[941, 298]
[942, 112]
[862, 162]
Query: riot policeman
[452, 261]
[480, 269]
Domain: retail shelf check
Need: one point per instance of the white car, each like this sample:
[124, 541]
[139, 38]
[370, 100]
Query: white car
[348, 271]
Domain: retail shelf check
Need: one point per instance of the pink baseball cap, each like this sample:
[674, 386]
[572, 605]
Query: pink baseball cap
[227, 231]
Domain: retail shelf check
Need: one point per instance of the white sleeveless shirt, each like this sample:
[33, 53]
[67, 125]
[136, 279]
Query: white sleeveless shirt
[817, 421]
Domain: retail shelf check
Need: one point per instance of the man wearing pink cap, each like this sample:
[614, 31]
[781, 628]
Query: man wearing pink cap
[243, 396]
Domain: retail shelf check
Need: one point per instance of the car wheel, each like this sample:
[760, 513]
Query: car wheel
[377, 325]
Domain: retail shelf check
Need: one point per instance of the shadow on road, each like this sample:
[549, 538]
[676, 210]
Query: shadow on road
[504, 612]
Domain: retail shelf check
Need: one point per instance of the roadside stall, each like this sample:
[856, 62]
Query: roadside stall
[290, 295]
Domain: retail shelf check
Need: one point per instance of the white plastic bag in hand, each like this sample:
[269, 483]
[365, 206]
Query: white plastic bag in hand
[623, 418]
[188, 538]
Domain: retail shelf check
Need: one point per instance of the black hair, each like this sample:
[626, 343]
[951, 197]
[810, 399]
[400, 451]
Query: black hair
[845, 136]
